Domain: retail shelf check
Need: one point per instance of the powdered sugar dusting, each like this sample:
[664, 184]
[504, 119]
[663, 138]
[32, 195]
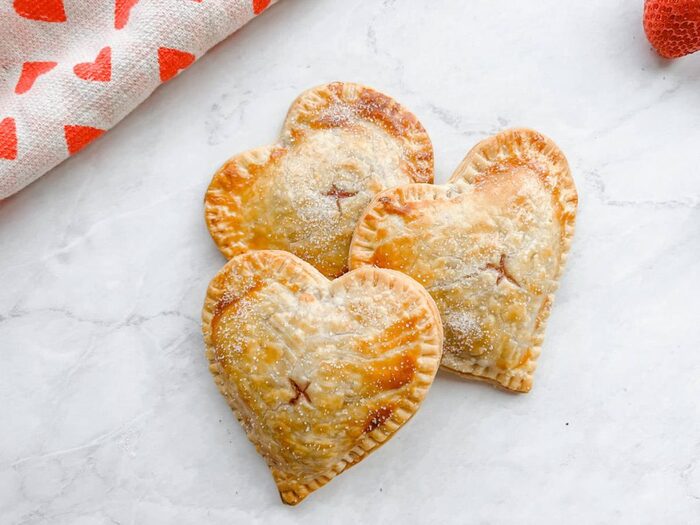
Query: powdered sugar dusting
[337, 114]
[462, 330]
[318, 213]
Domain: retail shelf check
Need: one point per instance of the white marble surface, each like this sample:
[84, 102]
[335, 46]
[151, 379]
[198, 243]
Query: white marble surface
[107, 410]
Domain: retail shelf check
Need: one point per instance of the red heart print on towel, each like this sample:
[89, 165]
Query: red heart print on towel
[77, 137]
[30, 72]
[100, 70]
[122, 8]
[44, 10]
[8, 139]
[260, 5]
[171, 61]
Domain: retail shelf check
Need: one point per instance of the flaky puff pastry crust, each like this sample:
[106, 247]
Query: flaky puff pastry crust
[318, 372]
[341, 143]
[489, 246]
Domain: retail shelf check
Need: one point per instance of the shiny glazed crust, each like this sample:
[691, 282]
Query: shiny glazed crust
[319, 373]
[489, 246]
[341, 143]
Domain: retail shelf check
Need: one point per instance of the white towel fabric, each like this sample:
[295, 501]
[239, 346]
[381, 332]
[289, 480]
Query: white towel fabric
[71, 69]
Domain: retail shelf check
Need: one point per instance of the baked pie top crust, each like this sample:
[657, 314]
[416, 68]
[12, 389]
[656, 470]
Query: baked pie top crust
[318, 372]
[341, 143]
[489, 246]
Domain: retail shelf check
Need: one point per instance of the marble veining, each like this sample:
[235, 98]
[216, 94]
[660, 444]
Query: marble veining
[108, 411]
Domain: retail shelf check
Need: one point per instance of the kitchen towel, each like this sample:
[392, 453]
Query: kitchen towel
[72, 69]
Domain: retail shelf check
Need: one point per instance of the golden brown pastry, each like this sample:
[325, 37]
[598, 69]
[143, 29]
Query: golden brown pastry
[319, 373]
[340, 145]
[489, 247]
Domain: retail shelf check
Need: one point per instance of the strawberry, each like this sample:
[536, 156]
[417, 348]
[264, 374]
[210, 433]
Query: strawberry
[673, 26]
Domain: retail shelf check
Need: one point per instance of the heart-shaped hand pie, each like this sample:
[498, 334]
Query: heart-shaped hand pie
[489, 247]
[319, 373]
[341, 144]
